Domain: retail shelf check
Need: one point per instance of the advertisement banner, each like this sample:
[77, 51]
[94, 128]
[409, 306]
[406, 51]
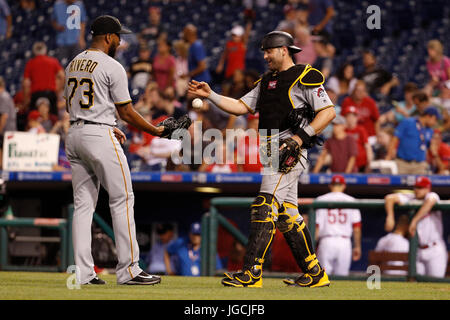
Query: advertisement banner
[24, 151]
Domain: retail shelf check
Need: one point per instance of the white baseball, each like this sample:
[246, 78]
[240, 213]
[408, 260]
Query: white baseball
[197, 103]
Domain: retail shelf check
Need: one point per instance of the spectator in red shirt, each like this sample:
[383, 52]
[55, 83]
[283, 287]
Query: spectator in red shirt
[366, 107]
[233, 57]
[342, 149]
[164, 66]
[248, 147]
[439, 154]
[359, 133]
[43, 77]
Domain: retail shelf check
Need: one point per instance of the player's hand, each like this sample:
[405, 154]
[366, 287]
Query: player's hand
[356, 253]
[120, 136]
[199, 89]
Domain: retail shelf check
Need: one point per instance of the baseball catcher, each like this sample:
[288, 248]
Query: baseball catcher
[293, 109]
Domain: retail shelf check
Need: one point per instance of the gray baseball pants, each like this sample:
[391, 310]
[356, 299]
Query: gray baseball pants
[96, 158]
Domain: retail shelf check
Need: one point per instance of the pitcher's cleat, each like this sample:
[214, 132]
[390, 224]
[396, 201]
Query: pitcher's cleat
[96, 280]
[243, 279]
[320, 279]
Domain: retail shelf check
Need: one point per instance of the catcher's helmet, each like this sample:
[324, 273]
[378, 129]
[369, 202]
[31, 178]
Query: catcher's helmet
[276, 39]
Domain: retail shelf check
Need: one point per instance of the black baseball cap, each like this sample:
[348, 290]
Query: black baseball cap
[108, 24]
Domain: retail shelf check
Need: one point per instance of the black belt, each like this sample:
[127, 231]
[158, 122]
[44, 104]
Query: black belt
[85, 122]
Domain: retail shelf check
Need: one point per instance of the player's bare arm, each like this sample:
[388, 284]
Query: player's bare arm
[227, 104]
[421, 213]
[128, 114]
[356, 252]
[389, 202]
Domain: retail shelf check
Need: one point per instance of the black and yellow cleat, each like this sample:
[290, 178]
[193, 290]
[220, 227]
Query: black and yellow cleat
[312, 279]
[247, 278]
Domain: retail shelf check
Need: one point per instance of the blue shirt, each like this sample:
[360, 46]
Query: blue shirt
[414, 140]
[318, 11]
[71, 32]
[196, 54]
[188, 260]
[4, 12]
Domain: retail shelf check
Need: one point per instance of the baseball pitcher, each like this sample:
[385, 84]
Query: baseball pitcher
[96, 88]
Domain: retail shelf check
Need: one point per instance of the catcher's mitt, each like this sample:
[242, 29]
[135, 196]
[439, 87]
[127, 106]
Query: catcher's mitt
[171, 125]
[298, 119]
[289, 155]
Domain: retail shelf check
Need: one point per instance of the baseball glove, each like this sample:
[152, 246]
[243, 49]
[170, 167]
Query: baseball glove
[171, 125]
[289, 155]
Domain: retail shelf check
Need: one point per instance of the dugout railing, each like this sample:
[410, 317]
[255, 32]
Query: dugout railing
[212, 219]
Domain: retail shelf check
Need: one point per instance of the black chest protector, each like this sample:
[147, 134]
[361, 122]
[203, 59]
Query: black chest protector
[275, 101]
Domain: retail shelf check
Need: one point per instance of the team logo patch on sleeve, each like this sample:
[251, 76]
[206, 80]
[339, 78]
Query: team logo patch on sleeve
[272, 84]
[320, 92]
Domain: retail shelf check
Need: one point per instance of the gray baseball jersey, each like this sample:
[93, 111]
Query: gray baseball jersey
[95, 84]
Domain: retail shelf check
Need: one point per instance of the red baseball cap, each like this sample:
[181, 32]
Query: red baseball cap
[253, 116]
[349, 109]
[34, 115]
[337, 179]
[422, 182]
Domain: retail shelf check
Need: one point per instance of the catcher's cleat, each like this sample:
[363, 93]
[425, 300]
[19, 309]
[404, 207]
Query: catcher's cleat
[312, 280]
[247, 278]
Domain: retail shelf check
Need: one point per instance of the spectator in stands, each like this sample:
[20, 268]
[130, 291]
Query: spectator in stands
[410, 142]
[34, 122]
[421, 101]
[149, 35]
[6, 26]
[378, 80]
[28, 5]
[396, 241]
[47, 119]
[156, 156]
[233, 56]
[140, 71]
[343, 82]
[165, 106]
[321, 13]
[198, 69]
[304, 40]
[366, 107]
[381, 146]
[438, 154]
[341, 147]
[402, 109]
[148, 99]
[335, 229]
[155, 257]
[359, 133]
[325, 53]
[248, 147]
[43, 77]
[7, 115]
[224, 159]
[427, 223]
[187, 254]
[70, 37]
[438, 66]
[289, 23]
[164, 65]
[181, 48]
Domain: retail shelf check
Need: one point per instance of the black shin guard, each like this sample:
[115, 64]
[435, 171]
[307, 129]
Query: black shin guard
[299, 240]
[262, 230]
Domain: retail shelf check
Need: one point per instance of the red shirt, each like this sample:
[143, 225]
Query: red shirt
[248, 153]
[367, 111]
[235, 59]
[341, 151]
[360, 135]
[42, 70]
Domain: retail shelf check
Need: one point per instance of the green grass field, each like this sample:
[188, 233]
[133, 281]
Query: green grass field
[52, 286]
